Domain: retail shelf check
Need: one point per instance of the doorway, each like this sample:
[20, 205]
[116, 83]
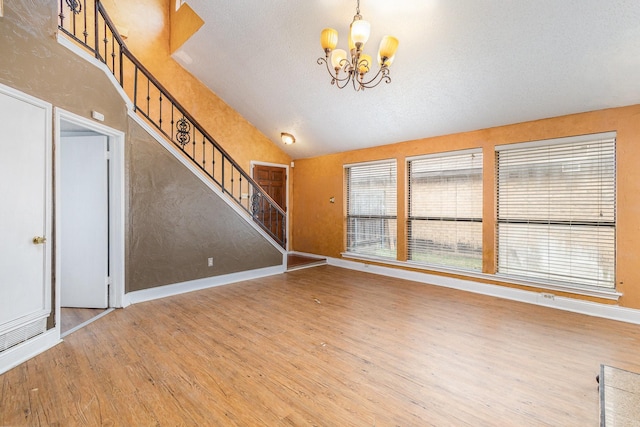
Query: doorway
[89, 221]
[272, 178]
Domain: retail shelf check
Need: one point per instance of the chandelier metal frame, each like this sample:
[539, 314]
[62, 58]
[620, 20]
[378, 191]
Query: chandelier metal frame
[354, 69]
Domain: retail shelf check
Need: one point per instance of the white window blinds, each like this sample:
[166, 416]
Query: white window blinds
[371, 209]
[556, 210]
[445, 210]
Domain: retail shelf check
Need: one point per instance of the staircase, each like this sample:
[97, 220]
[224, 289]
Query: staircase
[88, 25]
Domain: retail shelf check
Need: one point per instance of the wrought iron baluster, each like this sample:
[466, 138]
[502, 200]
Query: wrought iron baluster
[105, 40]
[193, 145]
[148, 96]
[73, 21]
[85, 33]
[61, 15]
[173, 107]
[113, 54]
[183, 129]
[120, 58]
[204, 152]
[160, 120]
[135, 87]
[96, 29]
[232, 175]
[222, 182]
[213, 162]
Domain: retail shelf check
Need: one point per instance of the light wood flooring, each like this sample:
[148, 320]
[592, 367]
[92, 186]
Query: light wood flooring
[72, 317]
[297, 262]
[323, 346]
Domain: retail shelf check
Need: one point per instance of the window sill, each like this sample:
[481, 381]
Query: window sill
[609, 294]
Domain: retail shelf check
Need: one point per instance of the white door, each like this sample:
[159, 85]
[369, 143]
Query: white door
[84, 222]
[25, 278]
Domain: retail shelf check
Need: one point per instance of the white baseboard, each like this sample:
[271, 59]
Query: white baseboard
[199, 284]
[14, 356]
[606, 311]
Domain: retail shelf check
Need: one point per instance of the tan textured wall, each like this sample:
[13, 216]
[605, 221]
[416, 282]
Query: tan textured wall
[319, 226]
[176, 223]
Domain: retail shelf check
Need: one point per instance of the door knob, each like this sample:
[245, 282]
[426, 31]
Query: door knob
[39, 240]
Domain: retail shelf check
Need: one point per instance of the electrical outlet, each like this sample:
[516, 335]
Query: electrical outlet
[548, 296]
[209, 262]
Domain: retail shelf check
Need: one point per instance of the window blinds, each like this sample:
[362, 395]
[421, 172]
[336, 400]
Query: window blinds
[556, 211]
[445, 210]
[371, 209]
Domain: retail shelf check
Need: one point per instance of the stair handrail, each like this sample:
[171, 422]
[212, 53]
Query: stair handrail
[262, 207]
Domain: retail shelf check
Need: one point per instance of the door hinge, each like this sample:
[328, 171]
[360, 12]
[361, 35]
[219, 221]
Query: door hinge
[107, 155]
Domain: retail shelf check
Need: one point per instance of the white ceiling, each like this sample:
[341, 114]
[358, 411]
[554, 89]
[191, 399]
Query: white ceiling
[461, 65]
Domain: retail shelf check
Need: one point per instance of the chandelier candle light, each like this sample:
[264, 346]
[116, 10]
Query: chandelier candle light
[355, 69]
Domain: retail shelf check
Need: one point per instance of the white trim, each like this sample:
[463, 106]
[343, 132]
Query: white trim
[593, 137]
[606, 311]
[82, 53]
[598, 293]
[205, 179]
[116, 204]
[199, 284]
[286, 167]
[14, 356]
[444, 154]
[373, 162]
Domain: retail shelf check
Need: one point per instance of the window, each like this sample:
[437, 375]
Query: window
[556, 210]
[445, 209]
[371, 209]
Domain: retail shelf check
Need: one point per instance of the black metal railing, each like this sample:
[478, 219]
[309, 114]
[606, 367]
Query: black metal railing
[87, 23]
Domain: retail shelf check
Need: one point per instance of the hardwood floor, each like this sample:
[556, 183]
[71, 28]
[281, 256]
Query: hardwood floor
[323, 346]
[297, 262]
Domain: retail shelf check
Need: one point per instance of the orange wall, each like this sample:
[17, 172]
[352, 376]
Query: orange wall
[319, 226]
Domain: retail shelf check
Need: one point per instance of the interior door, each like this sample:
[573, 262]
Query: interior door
[273, 180]
[84, 221]
[25, 278]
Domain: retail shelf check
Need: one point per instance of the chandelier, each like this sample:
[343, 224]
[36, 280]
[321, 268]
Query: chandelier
[356, 68]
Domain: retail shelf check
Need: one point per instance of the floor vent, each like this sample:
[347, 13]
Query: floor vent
[22, 334]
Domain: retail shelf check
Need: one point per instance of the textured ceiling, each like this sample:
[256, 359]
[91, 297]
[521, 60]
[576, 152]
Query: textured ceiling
[461, 65]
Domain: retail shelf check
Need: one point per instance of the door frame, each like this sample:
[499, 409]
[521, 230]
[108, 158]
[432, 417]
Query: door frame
[117, 199]
[287, 207]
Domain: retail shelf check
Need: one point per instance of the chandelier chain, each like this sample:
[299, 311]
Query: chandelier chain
[358, 7]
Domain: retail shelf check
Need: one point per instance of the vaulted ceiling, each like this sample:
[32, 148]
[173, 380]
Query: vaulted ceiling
[461, 65]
